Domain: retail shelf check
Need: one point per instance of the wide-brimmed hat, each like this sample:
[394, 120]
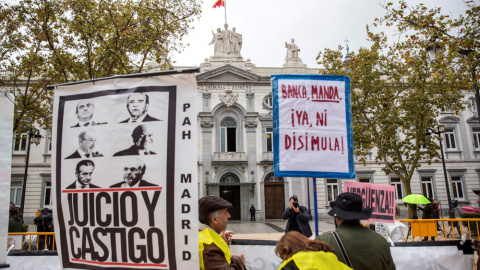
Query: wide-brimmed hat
[476, 191]
[209, 204]
[348, 206]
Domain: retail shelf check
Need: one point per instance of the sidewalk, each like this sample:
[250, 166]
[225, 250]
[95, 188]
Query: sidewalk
[270, 229]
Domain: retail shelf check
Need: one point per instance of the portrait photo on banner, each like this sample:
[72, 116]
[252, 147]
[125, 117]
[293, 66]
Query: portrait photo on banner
[113, 173]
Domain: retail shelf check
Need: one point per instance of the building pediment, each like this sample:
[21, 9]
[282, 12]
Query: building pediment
[229, 74]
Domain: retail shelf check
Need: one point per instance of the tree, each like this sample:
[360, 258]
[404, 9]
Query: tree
[51, 42]
[458, 37]
[396, 95]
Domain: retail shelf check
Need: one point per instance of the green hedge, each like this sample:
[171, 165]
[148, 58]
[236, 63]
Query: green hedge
[473, 224]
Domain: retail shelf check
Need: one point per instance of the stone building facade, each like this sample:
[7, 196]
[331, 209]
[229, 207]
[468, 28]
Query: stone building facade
[235, 147]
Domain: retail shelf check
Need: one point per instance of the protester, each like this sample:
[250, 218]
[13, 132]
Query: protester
[252, 213]
[476, 243]
[436, 211]
[414, 208]
[364, 248]
[299, 252]
[15, 220]
[213, 241]
[298, 218]
[44, 223]
[428, 214]
[393, 232]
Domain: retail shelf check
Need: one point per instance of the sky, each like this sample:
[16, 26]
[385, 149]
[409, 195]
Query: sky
[314, 24]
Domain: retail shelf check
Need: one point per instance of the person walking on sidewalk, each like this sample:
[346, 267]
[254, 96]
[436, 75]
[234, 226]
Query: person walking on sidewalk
[252, 213]
[298, 218]
[214, 240]
[356, 246]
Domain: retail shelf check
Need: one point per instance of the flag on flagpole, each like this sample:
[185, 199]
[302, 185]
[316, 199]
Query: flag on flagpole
[219, 3]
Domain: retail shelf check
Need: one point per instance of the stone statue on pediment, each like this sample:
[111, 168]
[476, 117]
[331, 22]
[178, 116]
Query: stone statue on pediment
[292, 50]
[292, 59]
[217, 40]
[236, 42]
[227, 35]
[227, 43]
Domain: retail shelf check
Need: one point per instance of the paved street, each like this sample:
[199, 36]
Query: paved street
[271, 229]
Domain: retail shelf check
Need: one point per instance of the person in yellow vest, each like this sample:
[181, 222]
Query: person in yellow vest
[213, 241]
[300, 253]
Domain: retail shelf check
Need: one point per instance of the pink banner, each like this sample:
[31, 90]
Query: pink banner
[381, 198]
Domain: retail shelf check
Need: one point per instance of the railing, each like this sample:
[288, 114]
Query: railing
[442, 229]
[31, 241]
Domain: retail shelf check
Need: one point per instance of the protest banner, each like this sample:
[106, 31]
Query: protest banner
[312, 126]
[7, 102]
[124, 172]
[260, 255]
[381, 198]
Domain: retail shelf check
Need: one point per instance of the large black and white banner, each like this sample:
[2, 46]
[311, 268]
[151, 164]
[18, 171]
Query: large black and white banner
[124, 173]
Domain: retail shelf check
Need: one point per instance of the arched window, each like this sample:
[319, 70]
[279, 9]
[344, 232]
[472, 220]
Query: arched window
[268, 102]
[270, 177]
[228, 135]
[229, 178]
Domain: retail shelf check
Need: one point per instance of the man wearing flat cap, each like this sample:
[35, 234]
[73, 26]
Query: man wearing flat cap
[364, 248]
[213, 241]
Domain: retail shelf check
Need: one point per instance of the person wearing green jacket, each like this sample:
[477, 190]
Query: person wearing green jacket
[15, 220]
[364, 248]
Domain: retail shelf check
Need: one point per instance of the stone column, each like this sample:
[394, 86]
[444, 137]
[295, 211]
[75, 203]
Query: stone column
[251, 151]
[206, 175]
[251, 128]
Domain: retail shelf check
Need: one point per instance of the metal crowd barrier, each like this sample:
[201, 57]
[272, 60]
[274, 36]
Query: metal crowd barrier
[31, 241]
[442, 229]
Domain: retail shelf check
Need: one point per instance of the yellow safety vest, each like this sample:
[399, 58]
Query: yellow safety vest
[207, 237]
[315, 260]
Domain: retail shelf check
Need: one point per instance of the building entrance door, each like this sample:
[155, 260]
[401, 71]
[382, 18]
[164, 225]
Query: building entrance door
[232, 195]
[274, 200]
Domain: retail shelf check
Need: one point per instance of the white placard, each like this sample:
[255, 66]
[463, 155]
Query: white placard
[312, 126]
[136, 130]
[6, 137]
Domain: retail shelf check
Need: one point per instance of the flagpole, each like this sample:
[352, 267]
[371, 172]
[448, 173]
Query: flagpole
[225, 11]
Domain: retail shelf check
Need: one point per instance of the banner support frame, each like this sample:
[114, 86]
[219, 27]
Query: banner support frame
[315, 204]
[135, 75]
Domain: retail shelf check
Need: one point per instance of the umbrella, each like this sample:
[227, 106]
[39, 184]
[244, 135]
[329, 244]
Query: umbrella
[416, 199]
[470, 209]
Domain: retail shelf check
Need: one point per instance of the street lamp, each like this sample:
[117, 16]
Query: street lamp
[36, 140]
[433, 50]
[473, 68]
[451, 208]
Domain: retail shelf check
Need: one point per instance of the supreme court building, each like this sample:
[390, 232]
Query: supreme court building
[235, 145]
